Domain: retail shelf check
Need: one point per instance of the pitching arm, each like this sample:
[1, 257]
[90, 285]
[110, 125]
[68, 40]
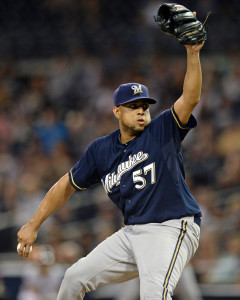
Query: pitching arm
[54, 199]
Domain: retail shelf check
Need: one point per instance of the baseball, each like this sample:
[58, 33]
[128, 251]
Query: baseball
[18, 247]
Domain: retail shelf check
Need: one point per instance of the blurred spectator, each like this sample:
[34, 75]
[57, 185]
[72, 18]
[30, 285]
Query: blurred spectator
[231, 213]
[229, 174]
[41, 279]
[50, 130]
[226, 268]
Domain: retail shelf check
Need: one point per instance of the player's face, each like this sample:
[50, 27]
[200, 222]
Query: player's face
[133, 117]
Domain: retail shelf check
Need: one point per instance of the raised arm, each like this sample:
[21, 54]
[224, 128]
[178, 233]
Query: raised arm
[192, 84]
[54, 199]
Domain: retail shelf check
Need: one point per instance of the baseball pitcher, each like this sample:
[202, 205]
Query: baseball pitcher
[140, 166]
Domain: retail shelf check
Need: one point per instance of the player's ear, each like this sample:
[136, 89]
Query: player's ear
[116, 111]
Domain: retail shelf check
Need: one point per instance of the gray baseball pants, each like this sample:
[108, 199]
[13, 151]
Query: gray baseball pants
[156, 252]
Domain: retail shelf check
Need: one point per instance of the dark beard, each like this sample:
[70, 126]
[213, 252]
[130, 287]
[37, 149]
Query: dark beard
[132, 131]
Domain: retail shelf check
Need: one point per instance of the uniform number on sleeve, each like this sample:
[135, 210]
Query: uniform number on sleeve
[138, 176]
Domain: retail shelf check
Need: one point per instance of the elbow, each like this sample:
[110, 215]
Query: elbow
[197, 100]
[191, 100]
[194, 102]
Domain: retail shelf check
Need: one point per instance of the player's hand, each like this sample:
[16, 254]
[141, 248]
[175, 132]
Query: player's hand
[194, 48]
[26, 237]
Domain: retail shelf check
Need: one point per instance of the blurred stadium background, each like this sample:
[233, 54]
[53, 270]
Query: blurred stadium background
[60, 61]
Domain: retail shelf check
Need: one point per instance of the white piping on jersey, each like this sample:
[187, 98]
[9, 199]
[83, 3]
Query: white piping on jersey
[114, 179]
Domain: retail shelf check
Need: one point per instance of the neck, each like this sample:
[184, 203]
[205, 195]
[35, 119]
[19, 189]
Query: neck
[124, 138]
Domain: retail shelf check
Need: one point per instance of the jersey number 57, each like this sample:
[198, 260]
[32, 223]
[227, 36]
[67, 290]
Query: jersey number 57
[138, 176]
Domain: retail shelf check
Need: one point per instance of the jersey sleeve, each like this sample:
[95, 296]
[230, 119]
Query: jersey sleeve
[167, 127]
[183, 129]
[84, 173]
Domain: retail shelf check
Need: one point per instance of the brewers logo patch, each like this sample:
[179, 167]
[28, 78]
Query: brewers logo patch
[137, 89]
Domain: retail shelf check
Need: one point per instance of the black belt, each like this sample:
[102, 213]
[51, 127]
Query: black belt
[197, 220]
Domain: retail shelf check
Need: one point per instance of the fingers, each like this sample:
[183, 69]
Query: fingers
[26, 237]
[194, 48]
[24, 242]
[28, 250]
[198, 47]
[24, 250]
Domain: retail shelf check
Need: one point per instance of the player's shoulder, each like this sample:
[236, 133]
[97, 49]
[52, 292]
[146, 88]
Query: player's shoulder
[166, 114]
[105, 141]
[107, 138]
[161, 125]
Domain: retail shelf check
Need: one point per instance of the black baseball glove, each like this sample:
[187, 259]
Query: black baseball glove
[178, 21]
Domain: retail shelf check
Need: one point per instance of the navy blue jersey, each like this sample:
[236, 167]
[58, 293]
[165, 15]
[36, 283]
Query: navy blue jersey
[145, 177]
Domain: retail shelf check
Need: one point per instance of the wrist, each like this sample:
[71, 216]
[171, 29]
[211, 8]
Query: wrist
[35, 225]
[192, 52]
[193, 57]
